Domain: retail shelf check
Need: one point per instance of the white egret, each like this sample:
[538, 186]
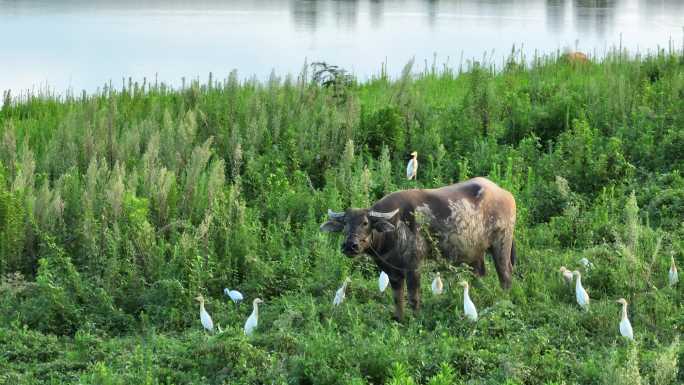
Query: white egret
[625, 325]
[383, 281]
[468, 305]
[204, 316]
[567, 275]
[412, 167]
[253, 319]
[340, 294]
[235, 295]
[672, 274]
[437, 285]
[586, 264]
[580, 293]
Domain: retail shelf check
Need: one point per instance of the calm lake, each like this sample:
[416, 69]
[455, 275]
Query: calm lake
[82, 44]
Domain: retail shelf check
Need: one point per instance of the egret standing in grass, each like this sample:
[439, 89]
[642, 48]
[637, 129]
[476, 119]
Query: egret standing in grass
[468, 305]
[567, 275]
[437, 285]
[235, 295]
[625, 325]
[586, 264]
[253, 319]
[340, 294]
[412, 168]
[383, 281]
[580, 293]
[204, 316]
[672, 274]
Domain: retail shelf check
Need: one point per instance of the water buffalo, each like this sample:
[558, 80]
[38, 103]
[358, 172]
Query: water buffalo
[463, 220]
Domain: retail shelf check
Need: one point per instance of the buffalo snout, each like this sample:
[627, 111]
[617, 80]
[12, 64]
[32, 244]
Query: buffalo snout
[351, 247]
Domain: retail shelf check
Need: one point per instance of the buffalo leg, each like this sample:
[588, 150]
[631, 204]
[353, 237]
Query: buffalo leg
[479, 266]
[413, 281]
[502, 260]
[398, 292]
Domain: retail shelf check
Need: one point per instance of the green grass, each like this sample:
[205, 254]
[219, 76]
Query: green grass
[117, 209]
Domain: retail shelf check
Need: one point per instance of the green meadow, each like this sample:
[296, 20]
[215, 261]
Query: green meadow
[118, 208]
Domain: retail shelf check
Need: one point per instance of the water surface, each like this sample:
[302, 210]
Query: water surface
[82, 44]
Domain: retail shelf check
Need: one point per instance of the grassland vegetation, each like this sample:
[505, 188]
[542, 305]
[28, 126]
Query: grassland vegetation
[117, 209]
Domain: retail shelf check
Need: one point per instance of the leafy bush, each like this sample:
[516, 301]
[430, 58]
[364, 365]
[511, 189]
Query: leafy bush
[384, 127]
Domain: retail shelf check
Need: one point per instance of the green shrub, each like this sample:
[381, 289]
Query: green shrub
[384, 127]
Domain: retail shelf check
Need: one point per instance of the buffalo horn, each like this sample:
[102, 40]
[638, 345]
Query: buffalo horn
[334, 215]
[388, 215]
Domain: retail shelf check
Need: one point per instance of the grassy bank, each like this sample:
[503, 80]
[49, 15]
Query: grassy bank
[117, 209]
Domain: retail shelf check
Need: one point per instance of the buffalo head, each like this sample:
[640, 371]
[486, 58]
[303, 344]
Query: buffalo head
[358, 226]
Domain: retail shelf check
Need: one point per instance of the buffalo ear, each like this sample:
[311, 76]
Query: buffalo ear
[383, 226]
[331, 226]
